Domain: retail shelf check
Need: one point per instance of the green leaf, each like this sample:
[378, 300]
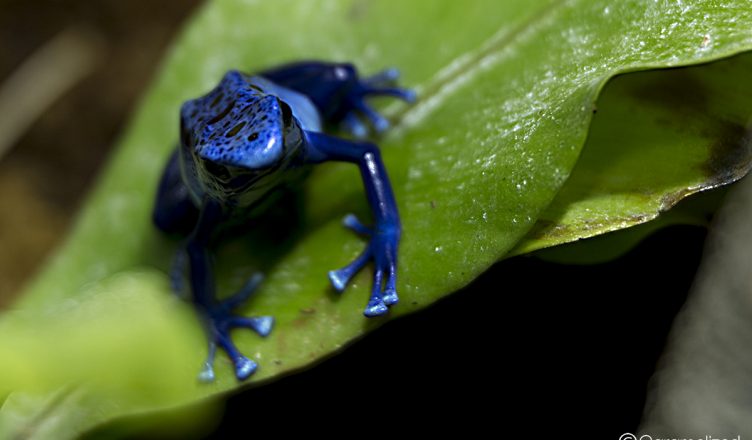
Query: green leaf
[506, 92]
[611, 245]
[657, 137]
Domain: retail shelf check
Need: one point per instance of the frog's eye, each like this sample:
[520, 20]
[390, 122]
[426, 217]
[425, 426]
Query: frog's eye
[286, 113]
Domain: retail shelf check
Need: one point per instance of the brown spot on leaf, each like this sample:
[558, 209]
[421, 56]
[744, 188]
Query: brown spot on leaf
[730, 154]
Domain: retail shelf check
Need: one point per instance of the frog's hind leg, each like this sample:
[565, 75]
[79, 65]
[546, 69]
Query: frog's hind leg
[340, 94]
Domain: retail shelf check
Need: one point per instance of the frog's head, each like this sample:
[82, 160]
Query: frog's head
[236, 129]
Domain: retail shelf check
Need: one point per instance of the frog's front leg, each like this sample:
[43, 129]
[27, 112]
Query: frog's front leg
[217, 315]
[385, 234]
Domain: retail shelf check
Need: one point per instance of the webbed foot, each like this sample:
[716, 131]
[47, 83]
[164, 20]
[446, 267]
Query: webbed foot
[382, 249]
[380, 84]
[220, 320]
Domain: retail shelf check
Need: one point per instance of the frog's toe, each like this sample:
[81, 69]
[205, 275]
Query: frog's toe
[241, 296]
[383, 82]
[375, 307]
[390, 297]
[260, 324]
[379, 122]
[386, 76]
[207, 373]
[390, 291]
[340, 277]
[244, 367]
[407, 95]
[353, 125]
[352, 222]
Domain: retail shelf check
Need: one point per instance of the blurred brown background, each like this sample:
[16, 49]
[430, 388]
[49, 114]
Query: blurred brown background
[108, 50]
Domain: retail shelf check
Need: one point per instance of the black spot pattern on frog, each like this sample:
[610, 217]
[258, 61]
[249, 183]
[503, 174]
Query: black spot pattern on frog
[248, 130]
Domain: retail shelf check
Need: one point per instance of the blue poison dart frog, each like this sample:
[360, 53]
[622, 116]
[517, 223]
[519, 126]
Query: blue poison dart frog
[249, 138]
